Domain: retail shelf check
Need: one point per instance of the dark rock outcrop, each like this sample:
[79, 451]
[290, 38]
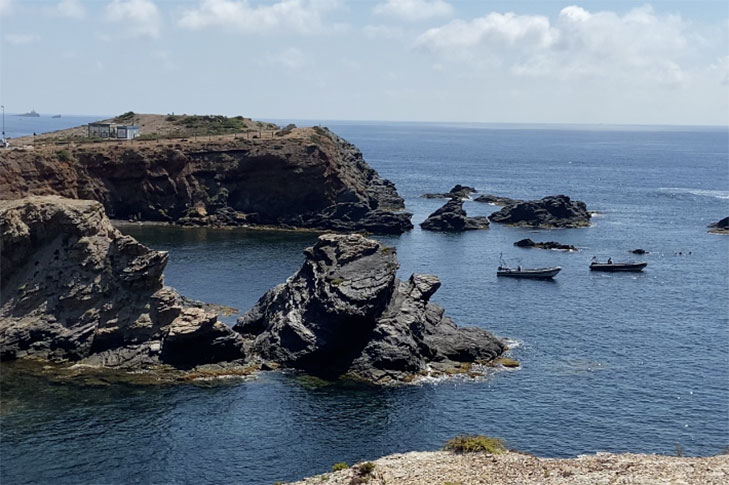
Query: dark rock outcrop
[556, 211]
[299, 179]
[452, 218]
[346, 313]
[528, 243]
[75, 289]
[458, 191]
[720, 227]
[496, 200]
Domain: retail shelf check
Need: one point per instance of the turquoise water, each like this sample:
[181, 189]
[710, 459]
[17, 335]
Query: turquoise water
[610, 362]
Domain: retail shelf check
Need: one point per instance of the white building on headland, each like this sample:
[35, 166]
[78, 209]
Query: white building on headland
[113, 131]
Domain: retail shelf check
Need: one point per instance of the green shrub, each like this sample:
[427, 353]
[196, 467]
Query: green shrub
[474, 444]
[63, 155]
[339, 466]
[366, 468]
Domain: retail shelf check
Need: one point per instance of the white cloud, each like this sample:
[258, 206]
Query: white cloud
[299, 16]
[639, 45]
[291, 58]
[382, 32]
[21, 39]
[72, 9]
[141, 16]
[721, 66]
[414, 10]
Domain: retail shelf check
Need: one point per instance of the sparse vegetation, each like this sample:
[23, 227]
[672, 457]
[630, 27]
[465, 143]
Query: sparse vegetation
[475, 444]
[127, 117]
[365, 468]
[63, 155]
[339, 466]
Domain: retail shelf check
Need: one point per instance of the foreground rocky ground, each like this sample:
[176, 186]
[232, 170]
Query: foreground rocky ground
[441, 468]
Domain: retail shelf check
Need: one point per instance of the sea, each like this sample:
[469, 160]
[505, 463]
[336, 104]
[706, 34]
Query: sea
[635, 362]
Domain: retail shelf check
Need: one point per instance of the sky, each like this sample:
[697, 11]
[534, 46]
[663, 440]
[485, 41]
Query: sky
[519, 61]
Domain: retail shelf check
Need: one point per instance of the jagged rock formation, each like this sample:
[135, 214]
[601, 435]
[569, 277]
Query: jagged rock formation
[305, 178]
[720, 227]
[452, 218]
[458, 191]
[556, 211]
[528, 243]
[75, 289]
[496, 200]
[346, 313]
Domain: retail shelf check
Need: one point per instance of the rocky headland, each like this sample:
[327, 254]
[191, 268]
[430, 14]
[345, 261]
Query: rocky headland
[556, 211]
[512, 468]
[74, 289]
[458, 191]
[290, 178]
[528, 243]
[452, 217]
[345, 313]
[720, 227]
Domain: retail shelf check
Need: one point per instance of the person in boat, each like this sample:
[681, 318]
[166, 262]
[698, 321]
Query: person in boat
[610, 261]
[518, 268]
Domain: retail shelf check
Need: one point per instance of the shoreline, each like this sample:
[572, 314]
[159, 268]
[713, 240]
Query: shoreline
[514, 468]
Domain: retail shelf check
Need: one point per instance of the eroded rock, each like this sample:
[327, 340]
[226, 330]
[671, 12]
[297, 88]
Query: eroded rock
[496, 200]
[556, 211]
[458, 191]
[720, 227]
[75, 289]
[345, 312]
[453, 218]
[528, 243]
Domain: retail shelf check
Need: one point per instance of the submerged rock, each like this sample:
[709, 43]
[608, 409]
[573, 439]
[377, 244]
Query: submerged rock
[458, 191]
[452, 218]
[496, 200]
[528, 243]
[638, 251]
[720, 227]
[75, 289]
[345, 312]
[556, 211]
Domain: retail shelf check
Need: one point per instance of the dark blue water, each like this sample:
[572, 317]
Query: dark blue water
[610, 362]
[17, 126]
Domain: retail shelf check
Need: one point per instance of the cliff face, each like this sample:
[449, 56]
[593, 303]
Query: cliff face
[75, 289]
[307, 178]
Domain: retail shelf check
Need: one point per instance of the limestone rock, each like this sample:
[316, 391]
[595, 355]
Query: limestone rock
[75, 289]
[452, 218]
[556, 211]
[346, 312]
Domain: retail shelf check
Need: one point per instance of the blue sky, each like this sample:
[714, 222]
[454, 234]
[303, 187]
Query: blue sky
[665, 62]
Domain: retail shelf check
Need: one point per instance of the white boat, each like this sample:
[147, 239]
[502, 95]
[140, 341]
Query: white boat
[532, 273]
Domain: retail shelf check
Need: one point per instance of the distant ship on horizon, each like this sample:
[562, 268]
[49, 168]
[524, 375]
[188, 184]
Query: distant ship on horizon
[56, 116]
[30, 114]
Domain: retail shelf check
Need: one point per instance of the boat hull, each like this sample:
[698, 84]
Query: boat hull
[618, 267]
[533, 274]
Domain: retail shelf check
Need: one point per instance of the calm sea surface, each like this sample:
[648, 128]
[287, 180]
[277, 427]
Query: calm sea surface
[610, 362]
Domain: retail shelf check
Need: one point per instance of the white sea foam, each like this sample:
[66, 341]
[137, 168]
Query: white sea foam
[717, 194]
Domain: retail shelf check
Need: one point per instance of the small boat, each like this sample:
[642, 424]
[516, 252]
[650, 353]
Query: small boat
[56, 116]
[533, 273]
[629, 266]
